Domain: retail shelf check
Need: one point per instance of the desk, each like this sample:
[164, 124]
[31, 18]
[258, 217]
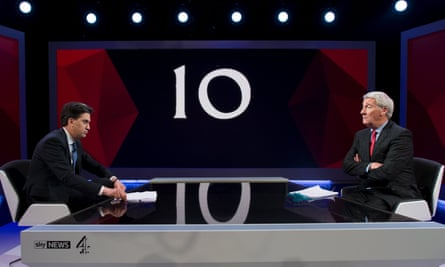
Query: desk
[236, 223]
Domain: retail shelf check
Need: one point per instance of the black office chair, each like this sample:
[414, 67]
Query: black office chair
[13, 177]
[429, 174]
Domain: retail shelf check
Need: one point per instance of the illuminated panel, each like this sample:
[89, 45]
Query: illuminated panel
[215, 104]
[422, 88]
[12, 96]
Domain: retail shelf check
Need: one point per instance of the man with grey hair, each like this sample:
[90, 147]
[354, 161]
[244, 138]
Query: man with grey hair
[381, 156]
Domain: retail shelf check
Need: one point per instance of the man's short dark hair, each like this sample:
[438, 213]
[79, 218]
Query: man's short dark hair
[73, 110]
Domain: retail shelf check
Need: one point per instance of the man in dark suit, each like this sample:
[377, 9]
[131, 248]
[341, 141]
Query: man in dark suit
[54, 173]
[386, 173]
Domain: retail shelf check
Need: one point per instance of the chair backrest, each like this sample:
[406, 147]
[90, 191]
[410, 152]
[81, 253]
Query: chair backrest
[429, 174]
[13, 177]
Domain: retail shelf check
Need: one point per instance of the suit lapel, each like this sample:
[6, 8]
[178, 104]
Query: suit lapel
[365, 141]
[62, 135]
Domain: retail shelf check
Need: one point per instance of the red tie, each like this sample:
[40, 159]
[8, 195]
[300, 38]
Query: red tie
[373, 137]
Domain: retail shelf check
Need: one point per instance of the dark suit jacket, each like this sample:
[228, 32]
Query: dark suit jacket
[51, 176]
[394, 148]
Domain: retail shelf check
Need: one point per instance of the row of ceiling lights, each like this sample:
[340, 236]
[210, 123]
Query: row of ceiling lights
[183, 16]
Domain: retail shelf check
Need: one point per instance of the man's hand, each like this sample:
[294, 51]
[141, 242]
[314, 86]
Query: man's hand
[115, 193]
[121, 189]
[356, 158]
[375, 165]
[117, 184]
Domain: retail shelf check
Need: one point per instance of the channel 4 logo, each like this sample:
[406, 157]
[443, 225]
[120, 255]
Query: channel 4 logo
[48, 244]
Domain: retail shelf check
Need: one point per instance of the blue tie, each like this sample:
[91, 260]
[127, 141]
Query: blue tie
[74, 154]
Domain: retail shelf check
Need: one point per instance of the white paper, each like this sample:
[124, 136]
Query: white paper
[146, 196]
[315, 192]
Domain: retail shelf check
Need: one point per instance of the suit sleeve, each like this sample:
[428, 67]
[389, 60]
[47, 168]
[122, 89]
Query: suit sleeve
[350, 166]
[102, 174]
[399, 153]
[53, 153]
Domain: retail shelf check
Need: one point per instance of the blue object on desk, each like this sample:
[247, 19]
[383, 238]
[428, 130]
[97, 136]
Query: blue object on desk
[296, 197]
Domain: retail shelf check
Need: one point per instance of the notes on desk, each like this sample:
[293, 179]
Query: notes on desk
[145, 196]
[311, 193]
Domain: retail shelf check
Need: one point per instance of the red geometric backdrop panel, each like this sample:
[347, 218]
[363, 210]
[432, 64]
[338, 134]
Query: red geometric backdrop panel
[9, 99]
[426, 93]
[324, 95]
[100, 87]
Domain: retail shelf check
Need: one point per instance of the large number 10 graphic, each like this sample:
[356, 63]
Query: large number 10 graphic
[204, 100]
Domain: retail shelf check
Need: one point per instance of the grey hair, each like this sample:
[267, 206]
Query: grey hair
[382, 100]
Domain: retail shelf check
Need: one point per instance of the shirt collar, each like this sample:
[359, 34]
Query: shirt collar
[379, 130]
[69, 139]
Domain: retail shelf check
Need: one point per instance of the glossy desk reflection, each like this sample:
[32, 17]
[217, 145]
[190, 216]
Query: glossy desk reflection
[222, 201]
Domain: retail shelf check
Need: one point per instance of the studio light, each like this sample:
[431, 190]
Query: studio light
[91, 18]
[283, 16]
[400, 5]
[329, 16]
[183, 16]
[136, 17]
[25, 7]
[236, 16]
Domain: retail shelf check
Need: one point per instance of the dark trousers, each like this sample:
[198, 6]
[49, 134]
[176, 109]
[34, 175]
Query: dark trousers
[369, 197]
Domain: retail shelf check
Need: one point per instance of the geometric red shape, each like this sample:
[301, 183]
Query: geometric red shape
[351, 61]
[324, 102]
[89, 76]
[426, 94]
[9, 99]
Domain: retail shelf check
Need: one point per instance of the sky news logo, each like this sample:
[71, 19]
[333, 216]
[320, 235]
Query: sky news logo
[40, 244]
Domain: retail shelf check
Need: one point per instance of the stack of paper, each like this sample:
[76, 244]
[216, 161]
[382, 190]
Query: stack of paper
[312, 193]
[146, 196]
